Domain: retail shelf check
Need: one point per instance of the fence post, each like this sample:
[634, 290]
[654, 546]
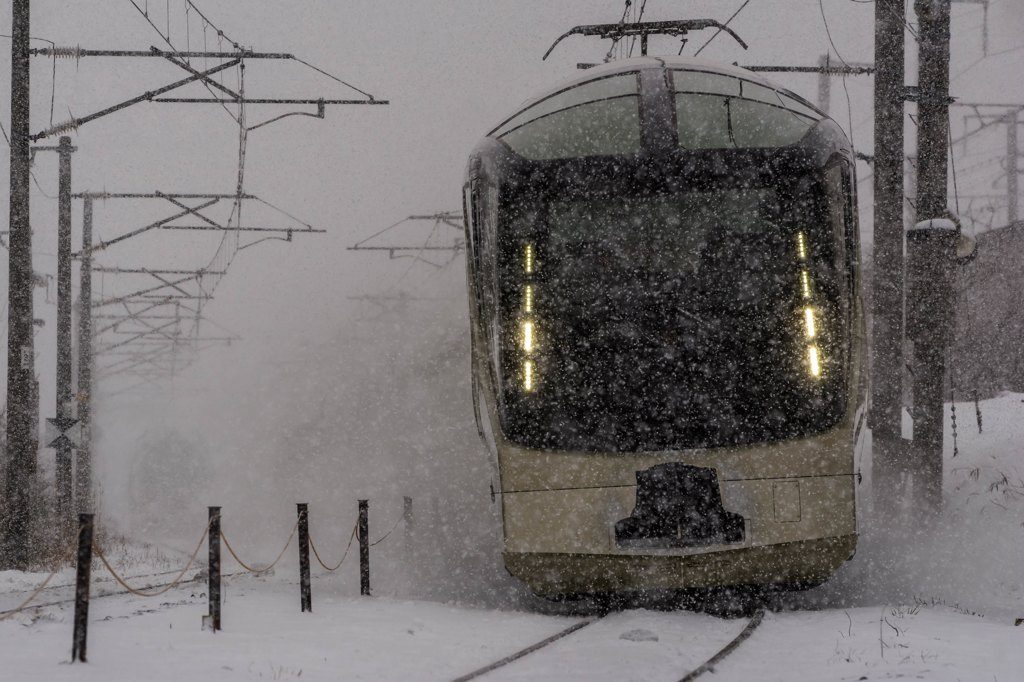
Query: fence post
[364, 548]
[213, 619]
[85, 528]
[407, 520]
[304, 586]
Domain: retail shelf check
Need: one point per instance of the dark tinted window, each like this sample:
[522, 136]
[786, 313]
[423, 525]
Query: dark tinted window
[683, 320]
[715, 111]
[597, 118]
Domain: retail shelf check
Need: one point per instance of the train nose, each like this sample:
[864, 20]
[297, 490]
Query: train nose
[678, 505]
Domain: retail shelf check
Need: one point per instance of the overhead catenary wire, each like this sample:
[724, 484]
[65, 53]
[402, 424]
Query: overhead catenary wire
[720, 29]
[849, 104]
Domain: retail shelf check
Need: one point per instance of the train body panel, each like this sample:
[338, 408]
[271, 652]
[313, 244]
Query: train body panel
[659, 418]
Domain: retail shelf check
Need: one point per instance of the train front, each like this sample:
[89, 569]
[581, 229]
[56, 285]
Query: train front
[667, 331]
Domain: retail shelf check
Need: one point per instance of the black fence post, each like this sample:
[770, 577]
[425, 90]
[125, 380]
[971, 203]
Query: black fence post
[407, 521]
[304, 586]
[364, 548]
[85, 529]
[214, 570]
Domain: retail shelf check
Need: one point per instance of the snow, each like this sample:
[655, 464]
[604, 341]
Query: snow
[913, 605]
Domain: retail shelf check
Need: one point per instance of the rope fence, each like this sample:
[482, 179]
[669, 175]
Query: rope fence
[214, 535]
[269, 567]
[312, 545]
[23, 605]
[386, 535]
[166, 588]
[10, 613]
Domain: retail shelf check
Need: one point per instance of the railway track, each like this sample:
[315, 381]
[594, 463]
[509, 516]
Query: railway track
[707, 666]
[98, 591]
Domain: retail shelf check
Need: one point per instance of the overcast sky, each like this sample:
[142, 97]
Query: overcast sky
[451, 70]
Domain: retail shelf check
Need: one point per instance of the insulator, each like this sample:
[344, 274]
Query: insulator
[65, 127]
[67, 52]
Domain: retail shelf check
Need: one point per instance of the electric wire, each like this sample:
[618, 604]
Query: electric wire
[849, 104]
[639, 18]
[727, 22]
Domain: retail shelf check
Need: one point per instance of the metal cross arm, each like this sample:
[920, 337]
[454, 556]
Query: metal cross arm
[449, 218]
[79, 52]
[141, 292]
[149, 95]
[192, 211]
[266, 100]
[206, 79]
[158, 224]
[243, 228]
[645, 29]
[139, 335]
[845, 70]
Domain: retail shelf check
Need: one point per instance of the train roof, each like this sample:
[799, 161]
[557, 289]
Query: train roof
[666, 62]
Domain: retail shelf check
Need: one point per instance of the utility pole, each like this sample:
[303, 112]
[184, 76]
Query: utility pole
[932, 183]
[21, 432]
[83, 463]
[1012, 165]
[64, 413]
[824, 84]
[888, 458]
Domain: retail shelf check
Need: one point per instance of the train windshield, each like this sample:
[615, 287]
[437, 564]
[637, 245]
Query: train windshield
[704, 318]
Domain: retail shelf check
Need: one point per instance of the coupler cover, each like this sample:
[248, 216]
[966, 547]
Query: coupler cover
[678, 505]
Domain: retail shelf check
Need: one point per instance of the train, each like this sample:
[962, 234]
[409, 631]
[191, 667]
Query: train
[667, 331]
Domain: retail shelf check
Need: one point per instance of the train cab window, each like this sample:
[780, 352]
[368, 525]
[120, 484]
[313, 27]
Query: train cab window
[700, 317]
[715, 111]
[596, 118]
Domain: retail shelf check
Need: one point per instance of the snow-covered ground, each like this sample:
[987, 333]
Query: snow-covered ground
[935, 605]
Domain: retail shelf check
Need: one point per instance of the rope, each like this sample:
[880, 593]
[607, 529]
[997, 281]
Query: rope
[166, 588]
[385, 536]
[249, 568]
[343, 556]
[20, 607]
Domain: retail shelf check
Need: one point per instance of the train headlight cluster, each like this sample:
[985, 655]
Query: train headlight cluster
[810, 323]
[528, 330]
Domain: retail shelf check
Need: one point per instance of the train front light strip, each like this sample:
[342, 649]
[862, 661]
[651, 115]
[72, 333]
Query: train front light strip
[813, 360]
[809, 328]
[810, 323]
[528, 332]
[527, 337]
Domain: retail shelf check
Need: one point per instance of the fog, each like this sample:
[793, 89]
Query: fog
[326, 398]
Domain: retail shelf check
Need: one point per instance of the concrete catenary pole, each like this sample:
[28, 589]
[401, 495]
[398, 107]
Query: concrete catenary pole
[1012, 167]
[21, 431]
[932, 201]
[83, 462]
[64, 352]
[887, 285]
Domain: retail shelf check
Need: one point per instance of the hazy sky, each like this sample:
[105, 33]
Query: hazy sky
[451, 69]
